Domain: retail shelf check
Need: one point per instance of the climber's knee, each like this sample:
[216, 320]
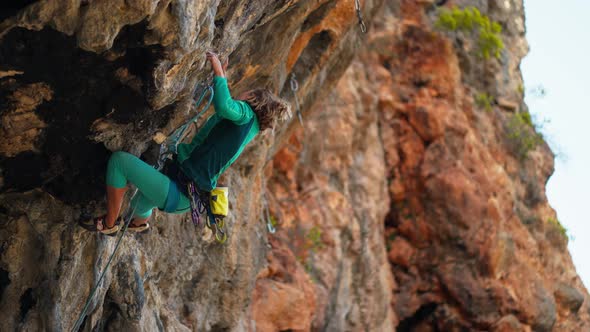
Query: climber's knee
[144, 215]
[142, 206]
[115, 173]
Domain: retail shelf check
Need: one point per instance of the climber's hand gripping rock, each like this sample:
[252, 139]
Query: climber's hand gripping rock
[218, 68]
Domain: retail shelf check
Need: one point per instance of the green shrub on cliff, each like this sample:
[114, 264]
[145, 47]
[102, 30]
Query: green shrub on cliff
[314, 239]
[522, 134]
[470, 19]
[559, 226]
[311, 244]
[525, 117]
[484, 100]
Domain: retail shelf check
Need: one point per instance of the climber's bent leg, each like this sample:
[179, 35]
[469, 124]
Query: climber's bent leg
[142, 206]
[153, 186]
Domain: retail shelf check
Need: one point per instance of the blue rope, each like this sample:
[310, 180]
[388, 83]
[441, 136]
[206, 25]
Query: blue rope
[170, 146]
[175, 137]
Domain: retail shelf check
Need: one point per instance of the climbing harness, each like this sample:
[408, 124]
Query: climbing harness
[359, 15]
[200, 202]
[294, 88]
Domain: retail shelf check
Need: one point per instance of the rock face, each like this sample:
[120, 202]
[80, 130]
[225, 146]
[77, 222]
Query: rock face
[400, 202]
[472, 241]
[82, 78]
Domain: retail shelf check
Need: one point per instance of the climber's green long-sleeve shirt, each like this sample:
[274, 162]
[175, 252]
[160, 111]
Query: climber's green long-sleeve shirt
[212, 141]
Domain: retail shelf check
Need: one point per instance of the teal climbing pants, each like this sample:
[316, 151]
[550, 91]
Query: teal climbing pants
[153, 187]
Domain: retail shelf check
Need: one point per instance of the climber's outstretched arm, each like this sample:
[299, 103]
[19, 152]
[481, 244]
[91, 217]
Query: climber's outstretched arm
[225, 106]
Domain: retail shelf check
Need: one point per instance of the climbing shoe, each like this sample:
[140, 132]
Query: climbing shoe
[138, 229]
[97, 224]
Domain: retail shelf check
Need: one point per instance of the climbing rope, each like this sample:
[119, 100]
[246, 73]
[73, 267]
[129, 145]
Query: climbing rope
[167, 148]
[170, 146]
[359, 15]
[294, 88]
[104, 271]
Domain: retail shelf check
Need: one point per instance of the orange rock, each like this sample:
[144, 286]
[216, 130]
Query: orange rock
[401, 252]
[509, 324]
[279, 306]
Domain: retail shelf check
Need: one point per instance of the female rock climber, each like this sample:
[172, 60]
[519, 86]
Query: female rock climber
[212, 150]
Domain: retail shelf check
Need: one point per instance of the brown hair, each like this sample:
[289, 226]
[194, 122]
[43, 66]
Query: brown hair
[267, 107]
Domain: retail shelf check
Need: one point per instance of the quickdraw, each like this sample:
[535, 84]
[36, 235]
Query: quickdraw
[269, 224]
[294, 88]
[359, 15]
[217, 227]
[198, 207]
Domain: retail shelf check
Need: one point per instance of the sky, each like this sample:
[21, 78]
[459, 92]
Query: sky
[558, 33]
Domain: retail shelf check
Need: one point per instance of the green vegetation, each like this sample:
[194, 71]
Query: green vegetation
[522, 134]
[314, 239]
[559, 226]
[470, 19]
[312, 242]
[273, 221]
[484, 100]
[525, 117]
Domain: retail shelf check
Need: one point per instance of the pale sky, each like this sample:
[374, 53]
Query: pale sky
[558, 33]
